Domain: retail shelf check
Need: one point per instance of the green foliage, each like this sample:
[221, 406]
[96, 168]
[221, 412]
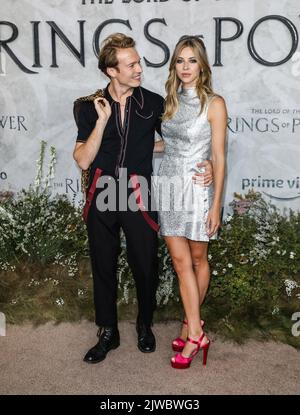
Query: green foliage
[36, 227]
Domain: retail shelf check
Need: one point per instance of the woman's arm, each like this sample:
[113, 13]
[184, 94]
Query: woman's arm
[159, 146]
[217, 116]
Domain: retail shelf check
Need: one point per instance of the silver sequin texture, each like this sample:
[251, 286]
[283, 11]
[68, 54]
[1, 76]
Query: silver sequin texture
[183, 206]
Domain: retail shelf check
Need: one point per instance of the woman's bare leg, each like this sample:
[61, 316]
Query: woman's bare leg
[180, 253]
[201, 267]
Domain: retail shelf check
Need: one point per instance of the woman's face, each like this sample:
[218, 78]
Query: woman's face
[187, 67]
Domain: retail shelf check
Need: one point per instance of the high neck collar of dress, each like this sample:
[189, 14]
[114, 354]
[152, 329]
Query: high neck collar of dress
[191, 92]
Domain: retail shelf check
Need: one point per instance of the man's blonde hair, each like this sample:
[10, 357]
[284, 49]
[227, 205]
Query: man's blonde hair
[109, 48]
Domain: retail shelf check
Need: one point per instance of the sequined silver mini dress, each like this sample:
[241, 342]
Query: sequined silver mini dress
[183, 205]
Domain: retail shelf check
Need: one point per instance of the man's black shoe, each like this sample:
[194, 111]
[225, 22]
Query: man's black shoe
[109, 339]
[146, 339]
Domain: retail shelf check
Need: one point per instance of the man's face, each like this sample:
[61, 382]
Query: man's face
[129, 66]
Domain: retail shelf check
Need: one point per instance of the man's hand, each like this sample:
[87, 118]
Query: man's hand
[103, 108]
[206, 178]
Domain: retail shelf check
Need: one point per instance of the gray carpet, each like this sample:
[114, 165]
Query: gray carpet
[48, 360]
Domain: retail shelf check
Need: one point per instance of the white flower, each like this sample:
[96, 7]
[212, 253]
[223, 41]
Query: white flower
[215, 272]
[209, 256]
[60, 302]
[290, 285]
[229, 265]
[228, 218]
[7, 214]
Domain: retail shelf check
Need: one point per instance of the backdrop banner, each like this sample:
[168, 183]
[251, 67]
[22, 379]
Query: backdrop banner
[48, 58]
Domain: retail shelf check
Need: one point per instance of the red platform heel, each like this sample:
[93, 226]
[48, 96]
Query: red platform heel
[178, 343]
[180, 362]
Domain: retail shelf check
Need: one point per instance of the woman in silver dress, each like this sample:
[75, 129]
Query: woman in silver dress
[193, 129]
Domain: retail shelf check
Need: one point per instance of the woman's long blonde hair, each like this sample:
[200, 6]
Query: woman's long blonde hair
[204, 83]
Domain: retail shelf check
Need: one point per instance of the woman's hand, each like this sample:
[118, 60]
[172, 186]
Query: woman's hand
[213, 221]
[103, 108]
[159, 146]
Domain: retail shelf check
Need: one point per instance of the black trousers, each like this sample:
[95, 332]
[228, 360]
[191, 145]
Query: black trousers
[142, 256]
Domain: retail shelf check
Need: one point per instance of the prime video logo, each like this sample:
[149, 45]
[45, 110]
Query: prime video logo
[266, 184]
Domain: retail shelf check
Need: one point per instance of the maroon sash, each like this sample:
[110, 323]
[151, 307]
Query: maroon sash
[90, 195]
[139, 201]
